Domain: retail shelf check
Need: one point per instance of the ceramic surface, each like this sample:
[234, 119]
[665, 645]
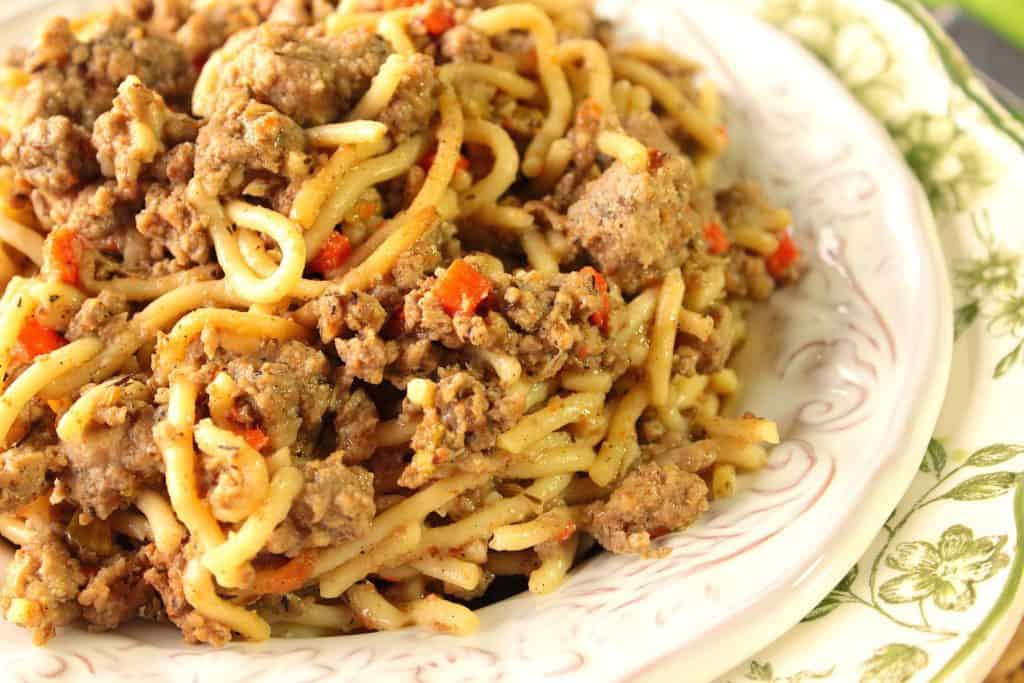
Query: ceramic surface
[853, 362]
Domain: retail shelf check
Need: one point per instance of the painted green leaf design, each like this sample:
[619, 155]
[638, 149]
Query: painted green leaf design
[894, 663]
[983, 486]
[760, 671]
[827, 605]
[996, 454]
[839, 595]
[964, 317]
[1008, 361]
[934, 458]
[848, 580]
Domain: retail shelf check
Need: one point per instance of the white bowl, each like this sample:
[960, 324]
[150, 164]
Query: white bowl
[839, 359]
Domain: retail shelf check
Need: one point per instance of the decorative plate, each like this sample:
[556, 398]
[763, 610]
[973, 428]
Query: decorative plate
[938, 594]
[853, 362]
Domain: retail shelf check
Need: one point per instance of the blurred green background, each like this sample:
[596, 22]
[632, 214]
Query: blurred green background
[1006, 17]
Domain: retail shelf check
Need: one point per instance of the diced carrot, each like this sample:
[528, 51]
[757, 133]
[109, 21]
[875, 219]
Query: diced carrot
[64, 252]
[655, 159]
[717, 240]
[332, 255]
[462, 288]
[366, 209]
[462, 164]
[568, 530]
[35, 339]
[438, 20]
[288, 577]
[784, 256]
[723, 133]
[255, 437]
[599, 318]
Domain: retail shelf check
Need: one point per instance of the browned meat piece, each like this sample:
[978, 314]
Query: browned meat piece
[435, 248]
[557, 313]
[675, 448]
[102, 315]
[201, 28]
[416, 358]
[23, 470]
[52, 154]
[542, 320]
[589, 121]
[284, 389]
[464, 422]
[335, 505]
[211, 24]
[123, 152]
[313, 79]
[744, 204]
[35, 419]
[40, 588]
[176, 165]
[647, 128]
[414, 102]
[747, 275]
[636, 226]
[355, 323]
[358, 311]
[116, 592]
[355, 425]
[716, 350]
[245, 140]
[462, 43]
[172, 225]
[95, 213]
[653, 500]
[367, 356]
[300, 12]
[79, 79]
[163, 16]
[165, 575]
[117, 456]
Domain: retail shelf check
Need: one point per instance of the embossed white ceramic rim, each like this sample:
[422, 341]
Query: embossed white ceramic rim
[749, 630]
[746, 633]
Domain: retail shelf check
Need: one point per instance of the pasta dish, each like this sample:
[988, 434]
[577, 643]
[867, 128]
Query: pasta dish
[323, 319]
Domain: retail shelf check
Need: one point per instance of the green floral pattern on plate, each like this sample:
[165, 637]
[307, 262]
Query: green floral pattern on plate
[993, 289]
[953, 168]
[894, 663]
[944, 572]
[943, 576]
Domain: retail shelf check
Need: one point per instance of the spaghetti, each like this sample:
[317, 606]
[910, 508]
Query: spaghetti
[338, 346]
